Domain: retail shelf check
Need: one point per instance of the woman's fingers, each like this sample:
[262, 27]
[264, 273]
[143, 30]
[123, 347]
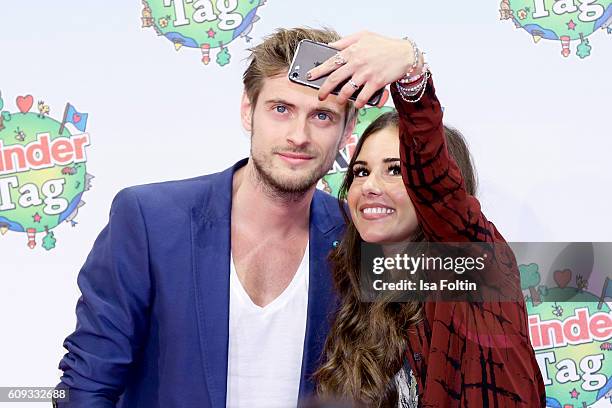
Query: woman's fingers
[363, 59]
[366, 93]
[346, 41]
[332, 81]
[329, 65]
[348, 90]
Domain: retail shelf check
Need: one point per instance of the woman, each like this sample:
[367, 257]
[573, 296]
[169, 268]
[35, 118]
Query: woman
[412, 354]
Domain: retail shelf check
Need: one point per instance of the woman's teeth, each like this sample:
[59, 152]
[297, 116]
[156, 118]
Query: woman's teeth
[378, 210]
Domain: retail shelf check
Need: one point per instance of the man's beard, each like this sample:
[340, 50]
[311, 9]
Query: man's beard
[289, 189]
[280, 186]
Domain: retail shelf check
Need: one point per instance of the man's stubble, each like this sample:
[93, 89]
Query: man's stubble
[289, 190]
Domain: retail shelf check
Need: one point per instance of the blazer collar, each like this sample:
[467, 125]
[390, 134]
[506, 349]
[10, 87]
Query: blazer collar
[216, 202]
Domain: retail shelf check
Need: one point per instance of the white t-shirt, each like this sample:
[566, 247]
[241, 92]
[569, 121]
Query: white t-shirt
[266, 344]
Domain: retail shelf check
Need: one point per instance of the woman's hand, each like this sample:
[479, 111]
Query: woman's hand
[372, 60]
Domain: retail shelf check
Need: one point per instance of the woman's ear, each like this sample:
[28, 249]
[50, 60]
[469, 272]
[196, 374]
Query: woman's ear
[246, 112]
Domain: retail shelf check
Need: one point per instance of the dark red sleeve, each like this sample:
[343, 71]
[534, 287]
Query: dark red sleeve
[463, 354]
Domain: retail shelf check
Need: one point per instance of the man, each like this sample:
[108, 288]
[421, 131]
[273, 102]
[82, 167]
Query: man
[215, 290]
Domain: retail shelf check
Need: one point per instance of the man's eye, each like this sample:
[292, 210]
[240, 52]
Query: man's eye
[280, 108]
[323, 116]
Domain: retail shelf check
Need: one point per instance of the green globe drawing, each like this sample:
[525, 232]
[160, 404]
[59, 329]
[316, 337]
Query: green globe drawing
[27, 216]
[563, 21]
[568, 389]
[204, 24]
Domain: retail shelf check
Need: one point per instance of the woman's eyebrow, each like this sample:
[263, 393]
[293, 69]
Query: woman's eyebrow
[365, 163]
[390, 159]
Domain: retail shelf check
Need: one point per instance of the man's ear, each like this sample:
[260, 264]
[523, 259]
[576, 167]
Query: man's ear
[348, 131]
[246, 112]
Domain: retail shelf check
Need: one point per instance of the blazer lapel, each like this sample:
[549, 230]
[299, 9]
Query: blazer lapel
[325, 228]
[210, 243]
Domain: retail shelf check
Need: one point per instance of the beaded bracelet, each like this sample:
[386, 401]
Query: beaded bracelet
[416, 58]
[410, 80]
[405, 94]
[413, 88]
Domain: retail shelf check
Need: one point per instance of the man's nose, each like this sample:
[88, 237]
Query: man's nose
[300, 133]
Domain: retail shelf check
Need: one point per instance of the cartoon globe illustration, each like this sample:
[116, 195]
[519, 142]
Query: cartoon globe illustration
[213, 24]
[562, 21]
[42, 198]
[581, 373]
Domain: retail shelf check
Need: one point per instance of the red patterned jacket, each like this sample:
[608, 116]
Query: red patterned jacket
[462, 354]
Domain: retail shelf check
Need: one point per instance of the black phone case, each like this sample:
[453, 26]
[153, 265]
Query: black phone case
[310, 54]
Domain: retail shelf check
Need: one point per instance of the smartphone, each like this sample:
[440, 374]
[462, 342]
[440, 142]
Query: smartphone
[310, 54]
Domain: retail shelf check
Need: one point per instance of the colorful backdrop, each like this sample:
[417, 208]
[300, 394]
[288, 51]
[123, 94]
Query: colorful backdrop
[97, 96]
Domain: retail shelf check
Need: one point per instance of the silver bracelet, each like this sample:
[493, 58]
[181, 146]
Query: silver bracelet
[404, 97]
[412, 90]
[408, 94]
[409, 77]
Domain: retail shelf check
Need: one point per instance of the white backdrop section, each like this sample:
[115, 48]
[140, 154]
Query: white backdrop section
[537, 124]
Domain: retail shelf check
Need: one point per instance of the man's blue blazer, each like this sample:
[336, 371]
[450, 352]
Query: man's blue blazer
[152, 321]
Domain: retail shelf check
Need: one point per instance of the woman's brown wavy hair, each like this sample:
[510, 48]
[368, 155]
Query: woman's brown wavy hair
[368, 341]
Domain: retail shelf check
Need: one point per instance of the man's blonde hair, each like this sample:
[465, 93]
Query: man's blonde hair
[274, 55]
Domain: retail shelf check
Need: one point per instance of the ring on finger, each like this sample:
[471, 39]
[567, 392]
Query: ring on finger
[339, 59]
[353, 84]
